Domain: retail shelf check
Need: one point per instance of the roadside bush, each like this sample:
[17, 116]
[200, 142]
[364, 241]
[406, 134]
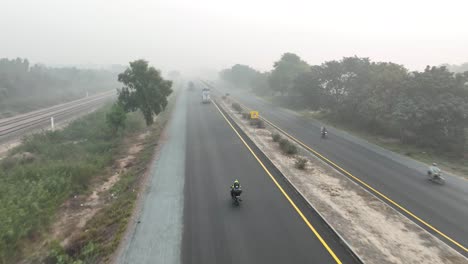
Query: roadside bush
[134, 123]
[65, 161]
[287, 147]
[276, 137]
[8, 163]
[283, 143]
[115, 118]
[260, 124]
[237, 107]
[59, 255]
[301, 163]
[291, 149]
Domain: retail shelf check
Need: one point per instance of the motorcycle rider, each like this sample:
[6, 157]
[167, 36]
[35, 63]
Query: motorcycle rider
[434, 170]
[236, 189]
[323, 130]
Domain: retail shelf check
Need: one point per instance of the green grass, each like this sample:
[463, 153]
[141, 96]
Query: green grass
[63, 164]
[428, 156]
[105, 230]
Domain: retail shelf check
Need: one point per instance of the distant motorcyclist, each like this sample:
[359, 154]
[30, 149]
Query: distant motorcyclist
[236, 189]
[323, 131]
[434, 170]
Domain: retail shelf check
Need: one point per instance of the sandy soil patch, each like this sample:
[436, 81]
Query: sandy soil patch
[77, 211]
[375, 231]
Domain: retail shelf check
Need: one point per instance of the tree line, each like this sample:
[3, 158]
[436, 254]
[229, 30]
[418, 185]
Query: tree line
[426, 108]
[24, 87]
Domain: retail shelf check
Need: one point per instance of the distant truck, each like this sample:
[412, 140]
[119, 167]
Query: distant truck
[206, 96]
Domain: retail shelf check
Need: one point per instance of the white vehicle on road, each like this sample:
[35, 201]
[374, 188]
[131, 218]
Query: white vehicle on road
[206, 96]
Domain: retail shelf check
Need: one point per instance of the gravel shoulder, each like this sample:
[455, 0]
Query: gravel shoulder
[156, 236]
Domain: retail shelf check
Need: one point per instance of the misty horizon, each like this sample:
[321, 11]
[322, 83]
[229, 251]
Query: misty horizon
[210, 36]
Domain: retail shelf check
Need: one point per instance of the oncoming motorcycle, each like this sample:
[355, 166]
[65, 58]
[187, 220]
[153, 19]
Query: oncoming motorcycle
[436, 177]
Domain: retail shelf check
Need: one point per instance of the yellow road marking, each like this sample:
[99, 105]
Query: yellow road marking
[282, 190]
[365, 184]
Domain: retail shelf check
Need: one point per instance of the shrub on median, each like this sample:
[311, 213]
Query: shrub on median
[287, 147]
[291, 149]
[301, 163]
[237, 107]
[276, 137]
[260, 124]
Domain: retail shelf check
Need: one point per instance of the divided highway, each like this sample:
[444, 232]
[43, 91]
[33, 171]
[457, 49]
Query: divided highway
[398, 181]
[187, 214]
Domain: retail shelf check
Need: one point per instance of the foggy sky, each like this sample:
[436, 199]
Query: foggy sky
[214, 34]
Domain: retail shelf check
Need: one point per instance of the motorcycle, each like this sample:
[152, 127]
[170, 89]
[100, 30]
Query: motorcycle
[324, 134]
[436, 178]
[235, 195]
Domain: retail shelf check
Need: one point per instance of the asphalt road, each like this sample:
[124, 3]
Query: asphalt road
[265, 228]
[187, 215]
[157, 235]
[401, 179]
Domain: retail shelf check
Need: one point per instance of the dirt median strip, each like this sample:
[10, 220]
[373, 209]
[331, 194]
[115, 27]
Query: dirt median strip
[373, 230]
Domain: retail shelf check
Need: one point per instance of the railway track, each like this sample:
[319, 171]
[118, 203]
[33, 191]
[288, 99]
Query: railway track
[22, 124]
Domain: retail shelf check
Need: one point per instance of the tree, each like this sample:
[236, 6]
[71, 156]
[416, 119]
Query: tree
[386, 82]
[260, 84]
[309, 86]
[434, 107]
[144, 89]
[347, 83]
[25, 87]
[116, 118]
[285, 71]
[457, 68]
[239, 75]
[243, 76]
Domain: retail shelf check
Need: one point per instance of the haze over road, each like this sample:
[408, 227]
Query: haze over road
[210, 34]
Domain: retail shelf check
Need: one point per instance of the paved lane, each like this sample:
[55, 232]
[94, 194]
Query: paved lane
[265, 228]
[157, 238]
